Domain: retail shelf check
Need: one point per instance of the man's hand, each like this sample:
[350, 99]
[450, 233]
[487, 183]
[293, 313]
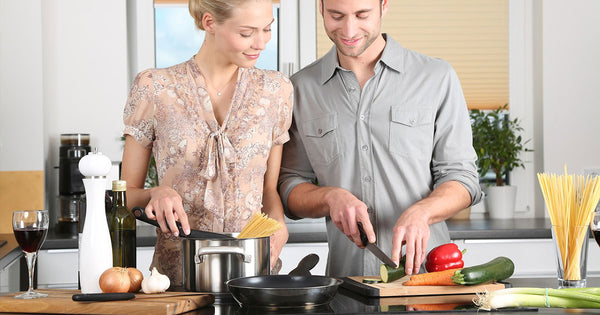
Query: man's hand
[411, 230]
[346, 211]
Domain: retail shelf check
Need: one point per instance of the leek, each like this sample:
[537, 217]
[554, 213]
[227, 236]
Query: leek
[539, 297]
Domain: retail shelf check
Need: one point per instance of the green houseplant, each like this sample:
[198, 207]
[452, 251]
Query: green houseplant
[498, 143]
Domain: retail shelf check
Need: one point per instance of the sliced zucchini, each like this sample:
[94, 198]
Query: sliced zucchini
[371, 280]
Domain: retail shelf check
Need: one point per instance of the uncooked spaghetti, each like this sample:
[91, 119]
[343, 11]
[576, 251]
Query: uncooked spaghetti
[570, 201]
[260, 225]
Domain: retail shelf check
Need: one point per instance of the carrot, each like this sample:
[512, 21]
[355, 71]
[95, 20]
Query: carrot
[443, 277]
[434, 307]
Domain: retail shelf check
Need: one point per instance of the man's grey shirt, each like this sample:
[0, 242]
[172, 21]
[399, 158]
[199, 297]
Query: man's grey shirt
[390, 144]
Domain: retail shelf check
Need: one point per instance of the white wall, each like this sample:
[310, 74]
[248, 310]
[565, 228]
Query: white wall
[66, 70]
[571, 85]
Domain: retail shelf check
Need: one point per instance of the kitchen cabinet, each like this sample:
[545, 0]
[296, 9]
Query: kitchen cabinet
[532, 257]
[10, 275]
[57, 268]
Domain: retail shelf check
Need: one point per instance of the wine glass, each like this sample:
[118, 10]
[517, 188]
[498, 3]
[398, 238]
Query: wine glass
[30, 228]
[596, 227]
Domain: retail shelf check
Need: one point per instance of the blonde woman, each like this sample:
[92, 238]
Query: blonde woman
[215, 125]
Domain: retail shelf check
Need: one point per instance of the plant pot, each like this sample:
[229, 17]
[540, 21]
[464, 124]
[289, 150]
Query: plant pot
[500, 201]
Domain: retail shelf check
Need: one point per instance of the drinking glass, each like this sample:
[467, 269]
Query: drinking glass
[30, 228]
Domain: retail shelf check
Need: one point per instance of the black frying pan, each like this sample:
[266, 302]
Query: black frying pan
[140, 214]
[285, 290]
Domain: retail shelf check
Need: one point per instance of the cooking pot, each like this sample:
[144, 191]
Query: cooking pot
[209, 263]
[210, 259]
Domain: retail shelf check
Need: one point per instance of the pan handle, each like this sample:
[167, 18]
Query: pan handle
[204, 251]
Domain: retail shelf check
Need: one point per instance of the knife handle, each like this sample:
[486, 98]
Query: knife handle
[363, 236]
[102, 297]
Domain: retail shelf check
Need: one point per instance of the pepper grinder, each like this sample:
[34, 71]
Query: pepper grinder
[95, 249]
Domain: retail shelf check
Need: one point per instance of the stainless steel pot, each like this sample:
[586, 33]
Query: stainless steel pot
[209, 263]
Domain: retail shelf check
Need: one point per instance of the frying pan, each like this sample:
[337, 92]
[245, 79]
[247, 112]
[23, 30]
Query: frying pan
[285, 290]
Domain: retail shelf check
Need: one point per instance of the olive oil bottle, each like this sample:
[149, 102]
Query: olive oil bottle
[121, 224]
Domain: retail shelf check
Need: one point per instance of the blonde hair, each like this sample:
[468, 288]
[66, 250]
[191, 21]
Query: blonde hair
[221, 10]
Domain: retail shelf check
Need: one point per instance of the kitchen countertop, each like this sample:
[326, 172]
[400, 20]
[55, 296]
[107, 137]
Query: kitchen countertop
[346, 302]
[309, 231]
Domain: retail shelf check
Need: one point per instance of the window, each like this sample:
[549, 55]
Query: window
[472, 35]
[177, 39]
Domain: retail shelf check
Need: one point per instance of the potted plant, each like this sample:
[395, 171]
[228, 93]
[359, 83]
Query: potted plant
[497, 141]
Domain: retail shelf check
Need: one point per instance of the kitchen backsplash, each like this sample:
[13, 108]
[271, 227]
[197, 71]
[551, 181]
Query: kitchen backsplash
[19, 190]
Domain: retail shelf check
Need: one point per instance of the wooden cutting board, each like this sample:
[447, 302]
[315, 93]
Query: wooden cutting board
[396, 288]
[60, 302]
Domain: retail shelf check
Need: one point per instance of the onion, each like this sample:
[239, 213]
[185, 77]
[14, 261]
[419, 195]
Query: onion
[115, 280]
[135, 277]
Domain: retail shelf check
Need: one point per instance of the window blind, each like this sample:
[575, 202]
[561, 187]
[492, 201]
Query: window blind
[472, 35]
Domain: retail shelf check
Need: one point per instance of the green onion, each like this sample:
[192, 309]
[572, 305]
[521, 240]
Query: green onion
[539, 297]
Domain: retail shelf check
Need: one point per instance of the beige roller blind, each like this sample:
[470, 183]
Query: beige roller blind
[472, 35]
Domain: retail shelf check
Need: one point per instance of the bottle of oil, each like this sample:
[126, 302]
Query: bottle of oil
[121, 224]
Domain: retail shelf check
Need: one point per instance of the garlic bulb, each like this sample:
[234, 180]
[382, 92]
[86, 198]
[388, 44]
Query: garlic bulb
[156, 282]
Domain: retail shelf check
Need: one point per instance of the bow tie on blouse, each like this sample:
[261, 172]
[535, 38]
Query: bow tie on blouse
[219, 152]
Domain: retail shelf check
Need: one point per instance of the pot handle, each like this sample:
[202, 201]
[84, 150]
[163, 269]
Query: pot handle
[201, 252]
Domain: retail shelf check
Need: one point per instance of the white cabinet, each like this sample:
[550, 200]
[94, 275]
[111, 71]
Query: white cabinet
[57, 268]
[532, 257]
[292, 253]
[9, 276]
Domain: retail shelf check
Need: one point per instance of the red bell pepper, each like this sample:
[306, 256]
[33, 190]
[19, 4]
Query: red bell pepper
[443, 257]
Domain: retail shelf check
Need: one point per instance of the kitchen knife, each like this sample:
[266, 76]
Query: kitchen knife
[140, 214]
[102, 297]
[374, 249]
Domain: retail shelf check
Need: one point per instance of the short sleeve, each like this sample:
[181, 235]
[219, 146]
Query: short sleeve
[138, 115]
[284, 118]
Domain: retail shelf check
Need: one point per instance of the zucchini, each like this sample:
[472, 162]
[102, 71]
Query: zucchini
[389, 274]
[371, 280]
[497, 269]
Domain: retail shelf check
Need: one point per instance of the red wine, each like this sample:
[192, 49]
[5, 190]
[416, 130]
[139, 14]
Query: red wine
[597, 236]
[31, 239]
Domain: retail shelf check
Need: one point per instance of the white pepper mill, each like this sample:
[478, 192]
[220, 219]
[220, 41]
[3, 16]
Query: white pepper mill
[95, 249]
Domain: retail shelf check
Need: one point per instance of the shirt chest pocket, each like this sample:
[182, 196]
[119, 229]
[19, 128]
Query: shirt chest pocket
[411, 132]
[321, 138]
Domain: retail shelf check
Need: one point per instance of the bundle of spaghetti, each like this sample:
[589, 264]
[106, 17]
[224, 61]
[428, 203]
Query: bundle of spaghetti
[570, 201]
[260, 225]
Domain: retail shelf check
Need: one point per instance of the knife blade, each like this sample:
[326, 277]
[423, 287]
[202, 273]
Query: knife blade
[140, 214]
[374, 249]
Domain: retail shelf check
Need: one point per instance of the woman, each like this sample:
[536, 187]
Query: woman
[215, 126]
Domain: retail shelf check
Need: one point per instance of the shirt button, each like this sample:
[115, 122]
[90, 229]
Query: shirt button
[352, 89]
[362, 117]
[364, 147]
[412, 121]
[367, 179]
[320, 131]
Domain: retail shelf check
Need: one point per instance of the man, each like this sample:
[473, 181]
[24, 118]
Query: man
[381, 135]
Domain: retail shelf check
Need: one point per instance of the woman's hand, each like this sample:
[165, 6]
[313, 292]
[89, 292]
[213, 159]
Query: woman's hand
[166, 208]
[278, 240]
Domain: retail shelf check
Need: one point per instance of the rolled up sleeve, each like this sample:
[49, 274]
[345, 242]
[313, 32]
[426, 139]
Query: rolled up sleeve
[453, 156]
